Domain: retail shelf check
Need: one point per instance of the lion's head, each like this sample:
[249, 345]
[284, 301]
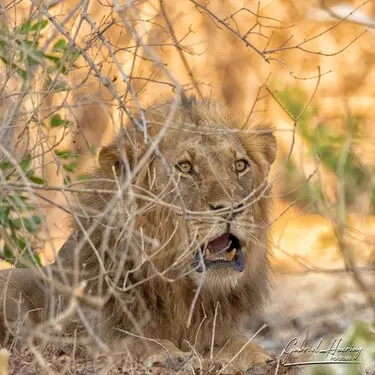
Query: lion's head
[201, 183]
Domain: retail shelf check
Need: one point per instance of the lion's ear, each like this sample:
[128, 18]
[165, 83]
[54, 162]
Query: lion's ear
[112, 160]
[109, 160]
[262, 135]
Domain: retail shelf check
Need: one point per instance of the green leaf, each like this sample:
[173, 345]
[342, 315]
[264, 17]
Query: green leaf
[6, 165]
[74, 55]
[20, 243]
[37, 260]
[18, 201]
[59, 45]
[8, 254]
[35, 57]
[35, 179]
[37, 220]
[26, 163]
[67, 180]
[31, 224]
[54, 59]
[65, 154]
[39, 25]
[63, 70]
[83, 177]
[22, 73]
[4, 218]
[25, 27]
[15, 223]
[16, 197]
[70, 167]
[56, 121]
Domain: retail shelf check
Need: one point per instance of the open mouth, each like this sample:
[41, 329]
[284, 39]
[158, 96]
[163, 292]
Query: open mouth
[222, 252]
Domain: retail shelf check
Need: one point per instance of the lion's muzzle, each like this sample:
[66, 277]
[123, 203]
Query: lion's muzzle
[222, 252]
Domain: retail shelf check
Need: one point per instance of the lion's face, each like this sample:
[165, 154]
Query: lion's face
[212, 180]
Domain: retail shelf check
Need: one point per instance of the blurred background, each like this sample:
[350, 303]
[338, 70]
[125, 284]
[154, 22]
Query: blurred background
[72, 69]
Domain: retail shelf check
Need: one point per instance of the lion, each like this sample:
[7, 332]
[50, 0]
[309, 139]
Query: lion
[169, 251]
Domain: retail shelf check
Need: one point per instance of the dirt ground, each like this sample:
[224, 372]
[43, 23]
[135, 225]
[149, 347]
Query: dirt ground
[309, 306]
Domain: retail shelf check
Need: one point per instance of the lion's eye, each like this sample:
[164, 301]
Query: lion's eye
[184, 166]
[241, 165]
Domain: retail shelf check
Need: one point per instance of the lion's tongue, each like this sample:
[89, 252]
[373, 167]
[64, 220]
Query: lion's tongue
[219, 245]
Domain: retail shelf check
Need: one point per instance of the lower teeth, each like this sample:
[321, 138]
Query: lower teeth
[231, 254]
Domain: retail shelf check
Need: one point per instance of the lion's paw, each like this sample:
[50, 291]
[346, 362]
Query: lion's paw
[261, 358]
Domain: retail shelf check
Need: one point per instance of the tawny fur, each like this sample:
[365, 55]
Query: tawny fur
[145, 274]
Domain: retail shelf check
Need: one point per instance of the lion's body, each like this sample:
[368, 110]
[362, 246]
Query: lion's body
[144, 274]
